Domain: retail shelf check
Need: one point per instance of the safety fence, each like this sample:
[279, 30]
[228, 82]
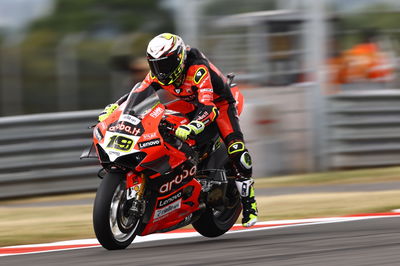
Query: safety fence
[39, 154]
[363, 129]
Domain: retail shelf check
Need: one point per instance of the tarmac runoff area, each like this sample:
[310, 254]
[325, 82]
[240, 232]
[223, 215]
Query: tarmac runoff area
[187, 233]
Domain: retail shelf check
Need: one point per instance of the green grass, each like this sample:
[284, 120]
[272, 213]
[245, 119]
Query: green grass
[327, 204]
[44, 224]
[335, 177]
[20, 224]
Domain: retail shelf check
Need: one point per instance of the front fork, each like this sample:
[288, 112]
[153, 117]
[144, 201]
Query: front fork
[135, 186]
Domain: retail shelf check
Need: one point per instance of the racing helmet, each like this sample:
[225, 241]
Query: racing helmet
[166, 54]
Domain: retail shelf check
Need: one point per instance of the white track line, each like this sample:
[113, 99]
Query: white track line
[270, 225]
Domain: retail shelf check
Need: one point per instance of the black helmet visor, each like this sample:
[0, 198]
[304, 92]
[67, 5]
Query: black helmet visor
[164, 67]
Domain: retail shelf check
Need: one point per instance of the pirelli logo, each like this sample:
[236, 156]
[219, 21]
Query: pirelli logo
[200, 74]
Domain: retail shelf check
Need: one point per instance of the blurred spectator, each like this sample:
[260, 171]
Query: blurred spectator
[364, 63]
[137, 68]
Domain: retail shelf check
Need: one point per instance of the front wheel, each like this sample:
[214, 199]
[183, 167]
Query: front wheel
[114, 225]
[213, 222]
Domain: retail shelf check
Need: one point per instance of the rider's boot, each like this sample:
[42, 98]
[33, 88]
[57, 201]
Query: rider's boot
[245, 187]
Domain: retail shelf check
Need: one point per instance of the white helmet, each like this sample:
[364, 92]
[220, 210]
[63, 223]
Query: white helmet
[166, 54]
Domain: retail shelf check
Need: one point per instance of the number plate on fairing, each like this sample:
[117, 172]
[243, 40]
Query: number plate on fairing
[116, 145]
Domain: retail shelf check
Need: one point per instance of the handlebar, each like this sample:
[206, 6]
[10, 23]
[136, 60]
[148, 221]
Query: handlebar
[166, 128]
[165, 124]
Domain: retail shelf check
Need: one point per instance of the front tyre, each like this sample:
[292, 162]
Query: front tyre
[213, 223]
[114, 225]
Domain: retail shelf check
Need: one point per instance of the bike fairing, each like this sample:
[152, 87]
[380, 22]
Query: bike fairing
[126, 138]
[138, 119]
[117, 138]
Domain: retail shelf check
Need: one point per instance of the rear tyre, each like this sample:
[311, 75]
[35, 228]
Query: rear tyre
[115, 227]
[213, 223]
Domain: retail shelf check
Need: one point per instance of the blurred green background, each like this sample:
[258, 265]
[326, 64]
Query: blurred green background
[63, 55]
[299, 64]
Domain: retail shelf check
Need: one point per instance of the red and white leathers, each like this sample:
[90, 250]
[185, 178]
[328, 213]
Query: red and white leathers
[205, 88]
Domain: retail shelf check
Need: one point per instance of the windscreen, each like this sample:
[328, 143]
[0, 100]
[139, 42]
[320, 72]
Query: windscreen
[141, 102]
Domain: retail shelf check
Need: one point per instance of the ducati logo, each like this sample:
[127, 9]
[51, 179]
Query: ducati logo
[178, 91]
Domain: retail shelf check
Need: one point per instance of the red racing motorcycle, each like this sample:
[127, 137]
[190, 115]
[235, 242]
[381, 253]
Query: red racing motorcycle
[153, 182]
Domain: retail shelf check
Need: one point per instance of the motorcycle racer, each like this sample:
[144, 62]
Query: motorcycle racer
[187, 74]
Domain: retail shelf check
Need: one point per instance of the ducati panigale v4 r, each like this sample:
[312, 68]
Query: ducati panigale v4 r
[152, 181]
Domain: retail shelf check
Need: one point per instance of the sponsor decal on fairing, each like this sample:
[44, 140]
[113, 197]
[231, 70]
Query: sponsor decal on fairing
[132, 191]
[131, 119]
[177, 180]
[149, 143]
[169, 200]
[149, 136]
[167, 209]
[156, 112]
[129, 129]
[114, 153]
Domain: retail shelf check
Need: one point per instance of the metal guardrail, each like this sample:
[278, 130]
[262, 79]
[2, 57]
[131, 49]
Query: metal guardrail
[364, 129]
[39, 154]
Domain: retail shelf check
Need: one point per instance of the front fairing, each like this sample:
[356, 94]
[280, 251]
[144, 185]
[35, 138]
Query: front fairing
[124, 131]
[130, 136]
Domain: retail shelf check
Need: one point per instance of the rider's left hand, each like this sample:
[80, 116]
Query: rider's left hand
[194, 127]
[108, 110]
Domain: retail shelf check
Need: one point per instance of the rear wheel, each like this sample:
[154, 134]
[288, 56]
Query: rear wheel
[114, 225]
[213, 222]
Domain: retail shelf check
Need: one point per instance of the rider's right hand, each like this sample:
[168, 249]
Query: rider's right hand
[194, 127]
[108, 110]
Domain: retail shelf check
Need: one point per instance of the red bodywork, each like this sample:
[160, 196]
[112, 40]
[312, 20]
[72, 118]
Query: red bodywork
[175, 202]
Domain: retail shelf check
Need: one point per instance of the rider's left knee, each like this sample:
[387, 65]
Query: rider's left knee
[241, 158]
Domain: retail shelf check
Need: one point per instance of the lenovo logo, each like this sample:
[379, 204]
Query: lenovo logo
[150, 143]
[169, 200]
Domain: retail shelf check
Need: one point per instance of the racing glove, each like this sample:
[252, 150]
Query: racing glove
[194, 127]
[108, 110]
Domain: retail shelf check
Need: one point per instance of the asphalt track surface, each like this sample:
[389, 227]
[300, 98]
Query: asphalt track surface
[362, 242]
